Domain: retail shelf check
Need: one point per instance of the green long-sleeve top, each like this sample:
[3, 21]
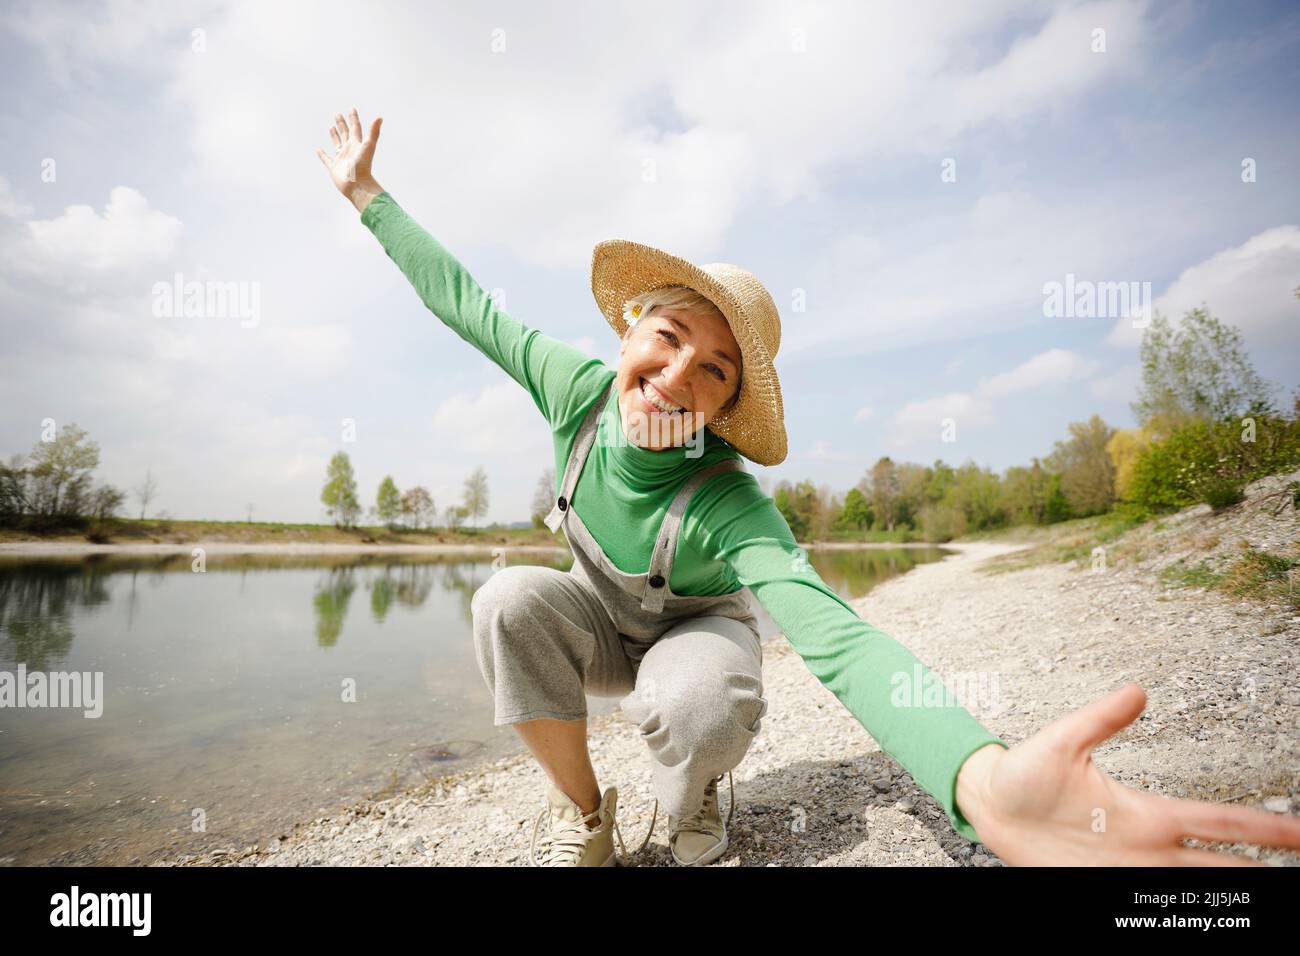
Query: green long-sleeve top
[732, 534]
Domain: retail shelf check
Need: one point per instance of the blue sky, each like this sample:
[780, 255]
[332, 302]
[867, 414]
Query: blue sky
[806, 142]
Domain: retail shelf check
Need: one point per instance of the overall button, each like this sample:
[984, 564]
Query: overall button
[563, 503]
[656, 581]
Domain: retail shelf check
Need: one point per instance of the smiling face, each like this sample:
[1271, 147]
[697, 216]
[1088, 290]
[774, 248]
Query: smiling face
[676, 371]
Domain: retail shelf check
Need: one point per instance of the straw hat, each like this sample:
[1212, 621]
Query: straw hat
[755, 424]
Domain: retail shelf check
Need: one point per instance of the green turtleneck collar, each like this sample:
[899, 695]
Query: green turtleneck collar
[645, 470]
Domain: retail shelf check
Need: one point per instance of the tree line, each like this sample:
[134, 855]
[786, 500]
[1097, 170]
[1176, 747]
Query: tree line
[1207, 426]
[413, 508]
[55, 482]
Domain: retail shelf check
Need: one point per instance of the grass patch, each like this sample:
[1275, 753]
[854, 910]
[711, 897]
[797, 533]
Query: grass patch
[1252, 576]
[1263, 577]
[1181, 575]
[1070, 541]
[183, 531]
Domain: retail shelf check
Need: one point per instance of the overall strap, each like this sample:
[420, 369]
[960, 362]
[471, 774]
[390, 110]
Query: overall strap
[582, 443]
[661, 559]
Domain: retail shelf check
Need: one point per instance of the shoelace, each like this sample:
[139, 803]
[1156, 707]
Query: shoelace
[564, 844]
[696, 818]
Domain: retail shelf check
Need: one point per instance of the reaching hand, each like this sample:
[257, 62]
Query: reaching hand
[353, 155]
[1044, 802]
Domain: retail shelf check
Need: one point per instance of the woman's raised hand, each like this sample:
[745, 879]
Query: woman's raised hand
[353, 155]
[1044, 802]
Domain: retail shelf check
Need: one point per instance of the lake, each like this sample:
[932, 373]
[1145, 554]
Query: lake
[266, 691]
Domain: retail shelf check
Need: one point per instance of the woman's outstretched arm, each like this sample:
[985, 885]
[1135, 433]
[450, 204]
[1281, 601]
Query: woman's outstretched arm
[560, 378]
[1041, 802]
[881, 683]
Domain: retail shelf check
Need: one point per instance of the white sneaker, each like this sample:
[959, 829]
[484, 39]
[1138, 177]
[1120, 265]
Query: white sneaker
[568, 840]
[702, 837]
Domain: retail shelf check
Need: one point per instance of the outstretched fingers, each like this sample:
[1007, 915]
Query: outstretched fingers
[1227, 824]
[354, 124]
[341, 127]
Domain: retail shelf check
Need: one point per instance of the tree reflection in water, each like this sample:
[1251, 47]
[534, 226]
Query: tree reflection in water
[408, 584]
[331, 603]
[36, 604]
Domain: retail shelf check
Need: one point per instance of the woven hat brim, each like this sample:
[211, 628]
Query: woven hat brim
[755, 425]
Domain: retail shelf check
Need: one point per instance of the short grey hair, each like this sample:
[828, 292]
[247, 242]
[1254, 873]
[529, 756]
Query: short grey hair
[676, 297]
[673, 297]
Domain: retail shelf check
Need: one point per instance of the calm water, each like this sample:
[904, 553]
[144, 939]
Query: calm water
[224, 692]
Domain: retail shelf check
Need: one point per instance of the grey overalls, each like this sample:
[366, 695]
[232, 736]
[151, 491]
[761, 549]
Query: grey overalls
[689, 665]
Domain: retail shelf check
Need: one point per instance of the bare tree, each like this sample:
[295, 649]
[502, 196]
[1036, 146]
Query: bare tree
[417, 504]
[884, 491]
[1199, 369]
[476, 495]
[146, 491]
[61, 471]
[105, 501]
[543, 497]
[455, 516]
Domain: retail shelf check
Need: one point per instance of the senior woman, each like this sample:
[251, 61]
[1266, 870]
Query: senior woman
[667, 527]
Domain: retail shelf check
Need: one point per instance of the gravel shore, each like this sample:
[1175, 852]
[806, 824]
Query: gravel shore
[1221, 723]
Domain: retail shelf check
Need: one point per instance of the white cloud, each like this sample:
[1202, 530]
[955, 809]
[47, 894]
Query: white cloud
[309, 351]
[129, 235]
[1120, 385]
[499, 419]
[972, 268]
[77, 41]
[823, 450]
[917, 421]
[903, 77]
[1055, 367]
[1250, 286]
[864, 413]
[1048, 368]
[11, 207]
[1053, 64]
[565, 177]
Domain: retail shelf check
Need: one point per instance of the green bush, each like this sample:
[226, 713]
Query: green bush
[99, 534]
[1220, 492]
[1132, 513]
[1058, 506]
[941, 522]
[1212, 462]
[1163, 469]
